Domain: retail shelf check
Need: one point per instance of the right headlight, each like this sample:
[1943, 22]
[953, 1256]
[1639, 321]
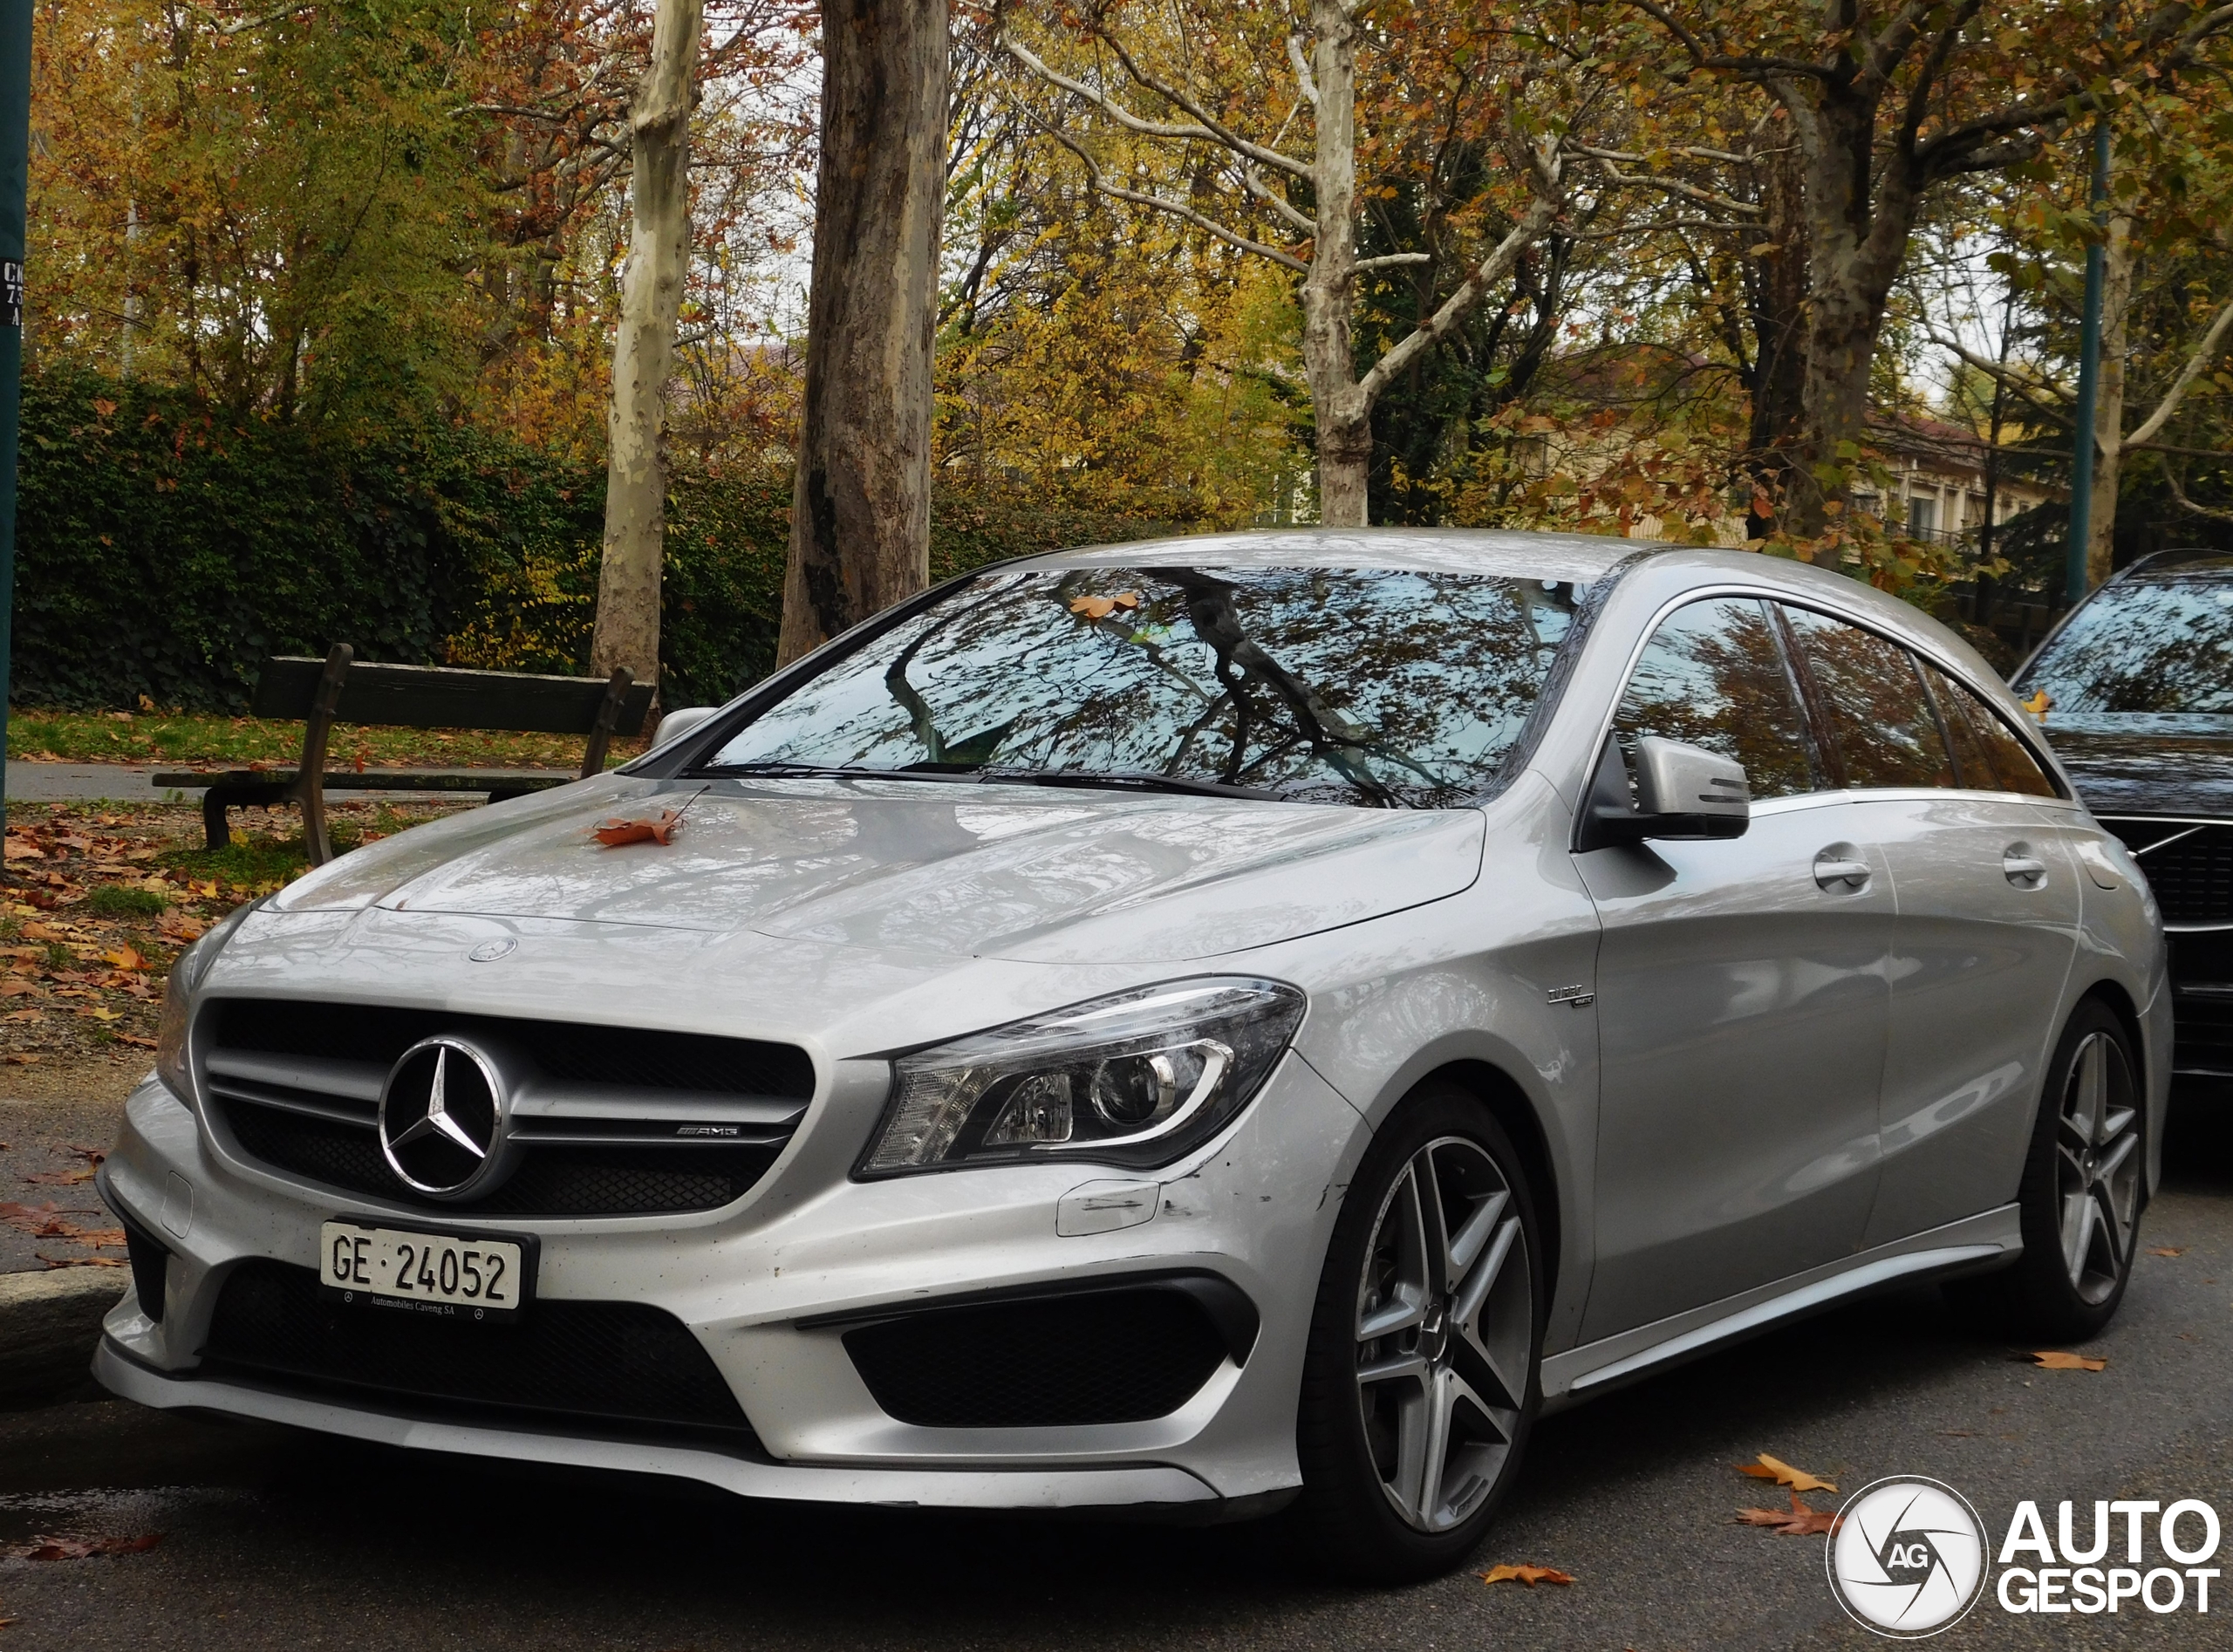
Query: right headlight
[171, 1063]
[1137, 1079]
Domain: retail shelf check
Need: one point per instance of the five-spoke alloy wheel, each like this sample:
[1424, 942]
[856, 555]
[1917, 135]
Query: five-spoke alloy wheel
[2083, 1185]
[1421, 1383]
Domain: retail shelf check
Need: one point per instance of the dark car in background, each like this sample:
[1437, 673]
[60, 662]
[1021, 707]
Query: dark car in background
[2138, 681]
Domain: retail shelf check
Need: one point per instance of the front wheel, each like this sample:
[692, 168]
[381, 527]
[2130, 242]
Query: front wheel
[2081, 1194]
[1419, 1386]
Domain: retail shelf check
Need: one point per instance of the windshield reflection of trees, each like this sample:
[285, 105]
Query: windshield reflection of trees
[1390, 686]
[2145, 648]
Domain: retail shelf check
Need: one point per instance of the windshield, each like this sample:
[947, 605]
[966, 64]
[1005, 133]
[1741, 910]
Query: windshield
[2153, 647]
[1389, 686]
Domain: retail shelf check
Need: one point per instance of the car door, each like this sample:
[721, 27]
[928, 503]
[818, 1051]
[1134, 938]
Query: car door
[1987, 899]
[1741, 996]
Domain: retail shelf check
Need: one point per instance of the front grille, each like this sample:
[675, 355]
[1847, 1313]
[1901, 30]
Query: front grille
[2190, 867]
[2202, 1004]
[621, 1365]
[611, 1120]
[551, 1181]
[1108, 1356]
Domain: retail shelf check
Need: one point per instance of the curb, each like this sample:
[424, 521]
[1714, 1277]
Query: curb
[49, 1324]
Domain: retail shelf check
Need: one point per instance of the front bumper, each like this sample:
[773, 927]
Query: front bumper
[767, 1288]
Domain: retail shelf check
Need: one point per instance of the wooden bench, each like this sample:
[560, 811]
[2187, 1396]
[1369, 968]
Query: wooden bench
[335, 689]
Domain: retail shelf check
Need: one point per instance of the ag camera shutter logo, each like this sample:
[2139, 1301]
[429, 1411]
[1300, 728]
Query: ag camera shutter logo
[1908, 1557]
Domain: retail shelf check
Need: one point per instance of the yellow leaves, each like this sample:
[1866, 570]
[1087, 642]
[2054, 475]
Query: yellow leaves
[2038, 704]
[125, 956]
[1527, 1573]
[1773, 1468]
[2057, 1360]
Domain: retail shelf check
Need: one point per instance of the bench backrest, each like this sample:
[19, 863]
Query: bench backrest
[440, 697]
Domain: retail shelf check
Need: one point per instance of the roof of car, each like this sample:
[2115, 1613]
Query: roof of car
[2194, 563]
[1581, 558]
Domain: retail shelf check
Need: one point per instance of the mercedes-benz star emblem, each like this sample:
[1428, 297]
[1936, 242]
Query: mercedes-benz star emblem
[442, 1119]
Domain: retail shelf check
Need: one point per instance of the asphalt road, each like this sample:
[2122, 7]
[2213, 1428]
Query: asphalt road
[277, 1540]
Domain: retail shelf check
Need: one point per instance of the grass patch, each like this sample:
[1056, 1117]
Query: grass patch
[258, 861]
[155, 737]
[123, 900]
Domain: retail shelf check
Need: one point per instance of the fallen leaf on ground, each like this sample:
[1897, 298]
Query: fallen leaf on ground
[2054, 1360]
[79, 1261]
[1800, 1521]
[18, 850]
[1774, 1468]
[1531, 1575]
[82, 1548]
[59, 1178]
[2168, 1250]
[134, 1038]
[43, 932]
[614, 833]
[100, 1015]
[19, 1060]
[126, 958]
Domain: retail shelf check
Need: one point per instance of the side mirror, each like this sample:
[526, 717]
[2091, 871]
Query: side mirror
[676, 723]
[1681, 792]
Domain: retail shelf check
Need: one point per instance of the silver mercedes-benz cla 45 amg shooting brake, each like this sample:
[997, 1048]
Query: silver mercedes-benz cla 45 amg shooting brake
[1191, 1026]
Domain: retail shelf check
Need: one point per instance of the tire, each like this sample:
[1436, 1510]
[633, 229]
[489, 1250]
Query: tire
[2083, 1188]
[1459, 1353]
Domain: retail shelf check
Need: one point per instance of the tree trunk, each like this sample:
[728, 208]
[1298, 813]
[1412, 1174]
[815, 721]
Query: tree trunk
[2117, 262]
[1779, 322]
[861, 501]
[650, 299]
[1343, 414]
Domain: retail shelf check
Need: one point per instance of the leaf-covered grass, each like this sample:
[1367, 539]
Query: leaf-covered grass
[156, 737]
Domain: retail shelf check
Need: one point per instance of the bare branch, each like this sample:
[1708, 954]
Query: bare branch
[1296, 218]
[2211, 339]
[1533, 223]
[1388, 260]
[1205, 130]
[2214, 513]
[1608, 159]
[1303, 70]
[1098, 181]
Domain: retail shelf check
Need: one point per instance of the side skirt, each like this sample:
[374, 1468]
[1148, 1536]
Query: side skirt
[1973, 1244]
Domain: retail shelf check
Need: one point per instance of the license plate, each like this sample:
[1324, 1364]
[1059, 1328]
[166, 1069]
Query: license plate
[450, 1276]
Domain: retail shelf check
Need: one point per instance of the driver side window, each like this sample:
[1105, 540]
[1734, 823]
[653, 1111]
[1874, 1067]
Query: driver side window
[1714, 675]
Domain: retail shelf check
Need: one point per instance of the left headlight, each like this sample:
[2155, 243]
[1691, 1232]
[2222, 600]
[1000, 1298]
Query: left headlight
[1137, 1079]
[171, 1064]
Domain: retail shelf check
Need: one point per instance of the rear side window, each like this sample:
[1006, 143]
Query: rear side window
[1880, 719]
[1992, 758]
[1713, 675]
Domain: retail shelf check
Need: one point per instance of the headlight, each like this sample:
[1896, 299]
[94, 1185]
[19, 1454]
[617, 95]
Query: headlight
[1137, 1079]
[171, 1065]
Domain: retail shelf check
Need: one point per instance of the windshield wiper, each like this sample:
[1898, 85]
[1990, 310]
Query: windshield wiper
[829, 771]
[1124, 779]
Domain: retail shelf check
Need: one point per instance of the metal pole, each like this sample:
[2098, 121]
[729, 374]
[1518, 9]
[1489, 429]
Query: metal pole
[2089, 386]
[15, 178]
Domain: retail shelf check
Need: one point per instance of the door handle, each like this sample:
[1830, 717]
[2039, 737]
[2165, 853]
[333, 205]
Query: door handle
[2022, 868]
[1839, 865]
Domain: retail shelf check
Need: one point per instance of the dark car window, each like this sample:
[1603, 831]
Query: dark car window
[1872, 689]
[1992, 758]
[1393, 686]
[2143, 647]
[1714, 675]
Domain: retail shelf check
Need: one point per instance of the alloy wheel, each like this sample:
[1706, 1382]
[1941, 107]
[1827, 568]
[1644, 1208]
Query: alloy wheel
[1445, 1329]
[2097, 1168]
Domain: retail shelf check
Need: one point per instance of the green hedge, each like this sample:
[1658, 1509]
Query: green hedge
[165, 549]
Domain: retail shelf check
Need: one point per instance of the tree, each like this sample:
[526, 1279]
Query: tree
[650, 303]
[1886, 102]
[860, 499]
[1199, 85]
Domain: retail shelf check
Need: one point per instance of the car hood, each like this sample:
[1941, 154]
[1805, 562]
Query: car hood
[2148, 764]
[990, 870]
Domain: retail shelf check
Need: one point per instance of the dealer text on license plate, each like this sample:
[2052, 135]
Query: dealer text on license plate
[455, 1277]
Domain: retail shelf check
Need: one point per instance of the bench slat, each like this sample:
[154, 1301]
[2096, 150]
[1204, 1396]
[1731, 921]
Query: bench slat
[442, 697]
